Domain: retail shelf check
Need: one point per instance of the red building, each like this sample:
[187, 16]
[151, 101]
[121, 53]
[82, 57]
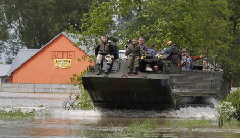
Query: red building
[55, 63]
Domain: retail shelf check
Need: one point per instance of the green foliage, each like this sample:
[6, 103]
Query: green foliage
[140, 129]
[187, 123]
[209, 27]
[32, 24]
[229, 111]
[85, 102]
[234, 99]
[16, 113]
[3, 27]
[232, 124]
[203, 27]
[83, 99]
[99, 20]
[77, 79]
[136, 130]
[226, 110]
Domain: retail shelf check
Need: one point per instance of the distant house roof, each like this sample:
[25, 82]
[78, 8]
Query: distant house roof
[22, 56]
[25, 54]
[4, 68]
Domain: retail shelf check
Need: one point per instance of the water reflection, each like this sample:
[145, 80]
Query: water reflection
[104, 126]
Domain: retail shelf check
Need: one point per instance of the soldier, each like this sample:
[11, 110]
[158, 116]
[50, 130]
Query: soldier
[143, 46]
[113, 41]
[174, 53]
[134, 52]
[104, 51]
[129, 42]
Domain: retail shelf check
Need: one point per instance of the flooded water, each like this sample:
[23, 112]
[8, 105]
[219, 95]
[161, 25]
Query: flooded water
[53, 121]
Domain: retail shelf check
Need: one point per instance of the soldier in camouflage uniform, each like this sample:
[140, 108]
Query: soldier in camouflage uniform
[113, 41]
[104, 51]
[143, 46]
[134, 53]
[174, 53]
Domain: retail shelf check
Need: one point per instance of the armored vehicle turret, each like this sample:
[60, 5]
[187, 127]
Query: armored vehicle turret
[159, 85]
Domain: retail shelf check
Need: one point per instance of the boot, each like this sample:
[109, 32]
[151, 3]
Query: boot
[129, 70]
[135, 71]
[98, 69]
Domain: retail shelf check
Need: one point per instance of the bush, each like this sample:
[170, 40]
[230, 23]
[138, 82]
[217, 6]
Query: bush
[226, 110]
[234, 99]
[85, 102]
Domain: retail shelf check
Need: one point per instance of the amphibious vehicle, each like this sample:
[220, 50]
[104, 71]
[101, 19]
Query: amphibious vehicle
[163, 85]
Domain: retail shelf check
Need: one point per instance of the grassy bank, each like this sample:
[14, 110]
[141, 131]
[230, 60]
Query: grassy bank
[16, 113]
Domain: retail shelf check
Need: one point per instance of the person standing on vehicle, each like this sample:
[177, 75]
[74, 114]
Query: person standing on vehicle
[104, 51]
[174, 53]
[134, 53]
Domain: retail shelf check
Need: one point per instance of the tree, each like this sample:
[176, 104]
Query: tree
[234, 49]
[207, 27]
[33, 23]
[3, 28]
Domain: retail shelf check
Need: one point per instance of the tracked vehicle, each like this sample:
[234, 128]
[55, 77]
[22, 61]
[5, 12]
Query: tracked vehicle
[166, 87]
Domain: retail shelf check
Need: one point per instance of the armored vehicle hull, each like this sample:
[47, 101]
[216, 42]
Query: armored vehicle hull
[166, 88]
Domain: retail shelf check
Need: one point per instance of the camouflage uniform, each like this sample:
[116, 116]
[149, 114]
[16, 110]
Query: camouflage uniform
[174, 54]
[134, 52]
[113, 41]
[115, 49]
[104, 51]
[144, 49]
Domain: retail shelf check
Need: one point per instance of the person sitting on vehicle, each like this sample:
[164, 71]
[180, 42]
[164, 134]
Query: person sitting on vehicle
[205, 65]
[113, 41]
[134, 53]
[129, 42]
[152, 51]
[195, 58]
[187, 62]
[143, 46]
[104, 51]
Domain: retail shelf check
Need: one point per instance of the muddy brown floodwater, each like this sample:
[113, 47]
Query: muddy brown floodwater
[52, 120]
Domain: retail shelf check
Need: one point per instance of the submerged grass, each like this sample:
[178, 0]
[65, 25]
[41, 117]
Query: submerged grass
[147, 128]
[140, 129]
[136, 129]
[187, 123]
[16, 113]
[150, 128]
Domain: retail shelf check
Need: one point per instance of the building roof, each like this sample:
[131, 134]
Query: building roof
[74, 39]
[4, 68]
[25, 54]
[22, 56]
